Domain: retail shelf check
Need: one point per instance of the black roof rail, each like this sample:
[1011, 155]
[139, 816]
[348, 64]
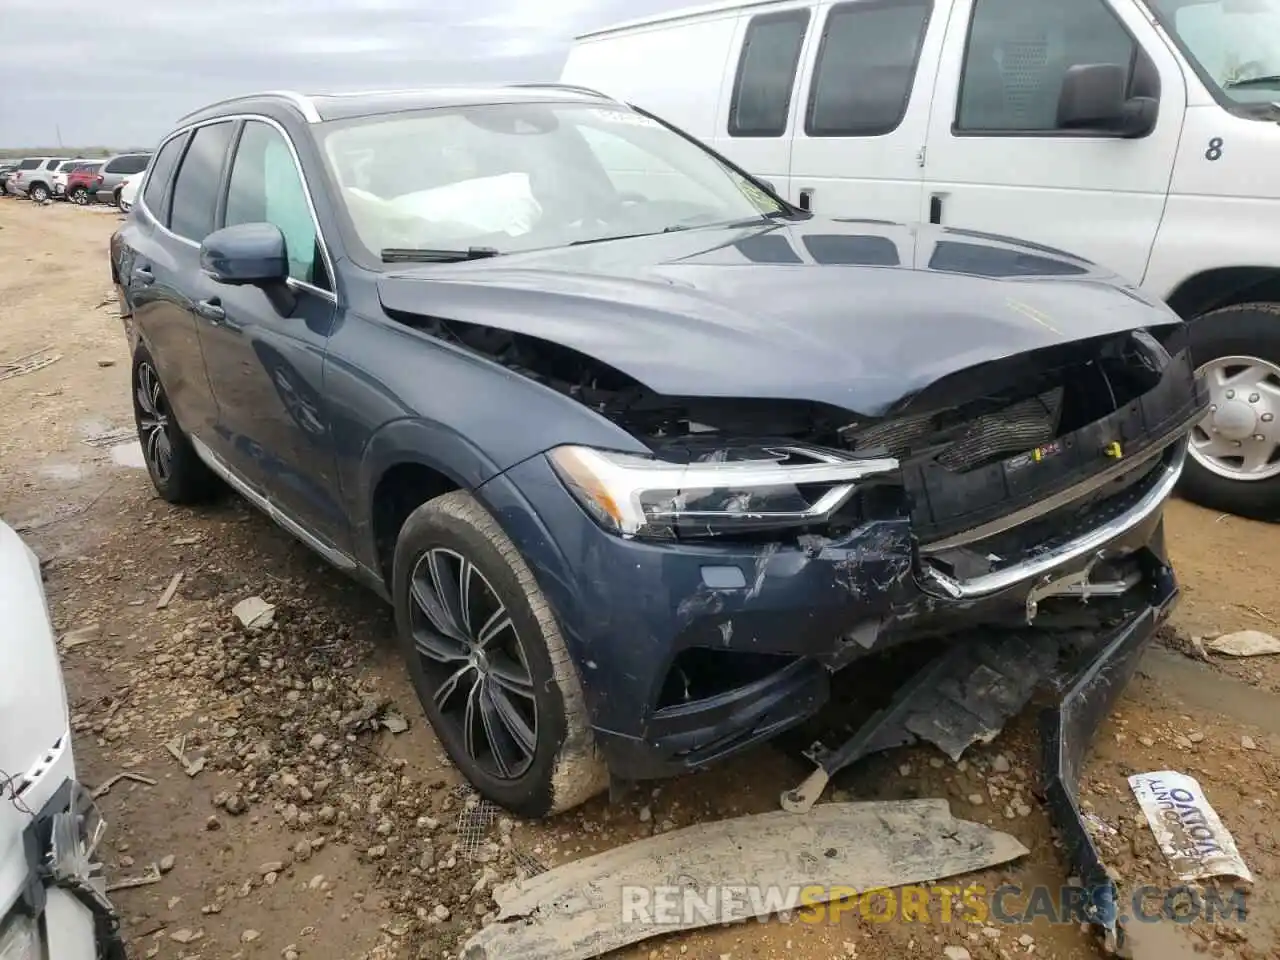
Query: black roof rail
[575, 88]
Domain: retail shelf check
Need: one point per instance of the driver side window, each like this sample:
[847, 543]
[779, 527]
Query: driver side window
[266, 187]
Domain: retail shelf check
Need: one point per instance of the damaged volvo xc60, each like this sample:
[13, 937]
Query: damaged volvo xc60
[642, 455]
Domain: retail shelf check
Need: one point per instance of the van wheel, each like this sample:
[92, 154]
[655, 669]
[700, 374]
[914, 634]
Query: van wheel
[488, 662]
[177, 472]
[1235, 450]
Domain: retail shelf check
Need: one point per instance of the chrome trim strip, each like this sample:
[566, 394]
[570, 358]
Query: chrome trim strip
[140, 202]
[1049, 504]
[1091, 542]
[242, 487]
[299, 101]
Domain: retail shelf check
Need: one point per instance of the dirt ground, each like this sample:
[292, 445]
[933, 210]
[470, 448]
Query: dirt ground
[303, 826]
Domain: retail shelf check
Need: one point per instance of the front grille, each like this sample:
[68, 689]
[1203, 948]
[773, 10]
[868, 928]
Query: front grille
[1007, 432]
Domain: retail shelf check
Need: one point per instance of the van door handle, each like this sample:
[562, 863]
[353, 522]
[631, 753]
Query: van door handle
[806, 198]
[935, 208]
[143, 276]
[211, 310]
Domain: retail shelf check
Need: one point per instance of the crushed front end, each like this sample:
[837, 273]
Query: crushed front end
[710, 592]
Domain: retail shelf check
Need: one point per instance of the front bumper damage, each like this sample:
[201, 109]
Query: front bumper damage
[967, 694]
[63, 885]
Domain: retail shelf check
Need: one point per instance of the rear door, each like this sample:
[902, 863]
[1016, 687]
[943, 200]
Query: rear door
[859, 146]
[758, 117]
[163, 277]
[998, 162]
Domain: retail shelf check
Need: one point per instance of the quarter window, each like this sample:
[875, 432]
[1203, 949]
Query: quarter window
[153, 194]
[1019, 51]
[266, 187]
[767, 74]
[195, 191]
[866, 67]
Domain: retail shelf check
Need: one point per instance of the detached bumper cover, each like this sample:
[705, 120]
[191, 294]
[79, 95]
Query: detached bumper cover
[63, 821]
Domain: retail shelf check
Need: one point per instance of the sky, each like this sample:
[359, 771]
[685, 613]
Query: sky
[120, 75]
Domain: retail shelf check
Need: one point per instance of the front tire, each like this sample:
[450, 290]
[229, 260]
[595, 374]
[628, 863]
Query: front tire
[488, 662]
[177, 472]
[1234, 465]
[79, 196]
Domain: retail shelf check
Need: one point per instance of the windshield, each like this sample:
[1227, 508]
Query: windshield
[509, 177]
[1236, 43]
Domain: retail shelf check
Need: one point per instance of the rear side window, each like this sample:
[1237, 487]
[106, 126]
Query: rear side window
[866, 66]
[28, 164]
[52, 165]
[195, 191]
[134, 164]
[767, 74]
[158, 179]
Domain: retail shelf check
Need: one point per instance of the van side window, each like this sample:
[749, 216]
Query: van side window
[767, 74]
[865, 68]
[1020, 50]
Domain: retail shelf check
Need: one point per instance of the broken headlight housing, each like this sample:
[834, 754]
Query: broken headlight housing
[723, 493]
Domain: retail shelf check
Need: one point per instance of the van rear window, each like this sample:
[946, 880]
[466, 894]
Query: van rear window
[767, 74]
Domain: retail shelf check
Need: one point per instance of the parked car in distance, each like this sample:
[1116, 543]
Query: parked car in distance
[115, 169]
[128, 191]
[6, 170]
[640, 453]
[1141, 134]
[51, 896]
[82, 183]
[58, 182]
[34, 177]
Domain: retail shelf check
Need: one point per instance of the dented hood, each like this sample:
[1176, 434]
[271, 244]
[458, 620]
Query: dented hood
[857, 314]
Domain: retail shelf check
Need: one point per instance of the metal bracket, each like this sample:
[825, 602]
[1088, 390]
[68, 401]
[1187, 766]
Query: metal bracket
[1078, 584]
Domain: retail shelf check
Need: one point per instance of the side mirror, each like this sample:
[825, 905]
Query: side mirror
[1095, 97]
[245, 253]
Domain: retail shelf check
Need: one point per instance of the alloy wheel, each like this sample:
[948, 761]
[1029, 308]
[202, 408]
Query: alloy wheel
[39, 193]
[153, 422]
[474, 662]
[1239, 438]
[80, 196]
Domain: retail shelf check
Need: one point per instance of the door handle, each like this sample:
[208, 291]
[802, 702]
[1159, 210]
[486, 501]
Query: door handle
[143, 276]
[935, 208]
[806, 198]
[211, 310]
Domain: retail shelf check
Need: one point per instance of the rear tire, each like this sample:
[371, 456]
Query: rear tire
[543, 761]
[38, 193]
[1248, 331]
[177, 472]
[79, 196]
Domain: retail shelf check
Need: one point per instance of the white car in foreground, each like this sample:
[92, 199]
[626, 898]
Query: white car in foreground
[129, 194]
[52, 903]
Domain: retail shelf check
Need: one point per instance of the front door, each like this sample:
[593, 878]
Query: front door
[264, 347]
[865, 109]
[996, 159]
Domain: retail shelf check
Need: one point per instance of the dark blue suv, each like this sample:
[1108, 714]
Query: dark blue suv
[641, 453]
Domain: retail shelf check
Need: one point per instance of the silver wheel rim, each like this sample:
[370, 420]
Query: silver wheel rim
[474, 661]
[1239, 438]
[153, 423]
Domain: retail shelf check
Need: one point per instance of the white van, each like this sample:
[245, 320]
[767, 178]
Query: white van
[1142, 134]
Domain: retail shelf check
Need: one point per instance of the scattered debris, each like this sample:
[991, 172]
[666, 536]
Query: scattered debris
[254, 613]
[1188, 830]
[475, 820]
[1247, 743]
[177, 750]
[167, 862]
[128, 883]
[394, 722]
[571, 912]
[170, 590]
[23, 366]
[186, 935]
[105, 787]
[80, 636]
[112, 437]
[106, 362]
[1245, 643]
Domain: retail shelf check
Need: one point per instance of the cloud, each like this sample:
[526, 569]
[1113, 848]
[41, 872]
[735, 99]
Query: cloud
[124, 79]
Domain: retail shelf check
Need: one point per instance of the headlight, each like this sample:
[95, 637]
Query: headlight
[20, 939]
[770, 487]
